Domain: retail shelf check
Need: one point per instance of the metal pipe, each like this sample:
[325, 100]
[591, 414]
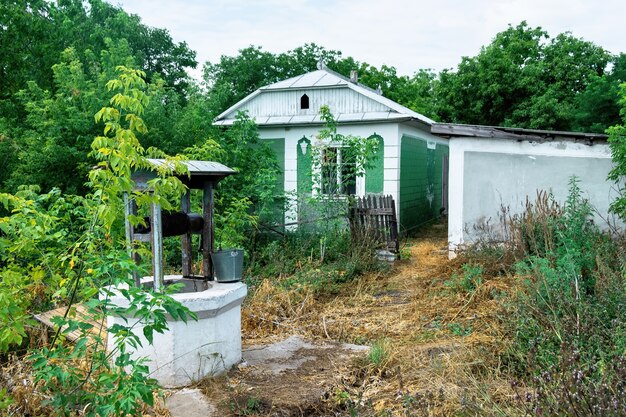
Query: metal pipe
[157, 247]
[185, 206]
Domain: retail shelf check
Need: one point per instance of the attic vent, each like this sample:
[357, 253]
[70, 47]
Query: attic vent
[304, 101]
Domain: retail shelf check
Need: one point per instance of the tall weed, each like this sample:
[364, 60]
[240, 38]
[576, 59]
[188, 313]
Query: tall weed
[319, 260]
[570, 319]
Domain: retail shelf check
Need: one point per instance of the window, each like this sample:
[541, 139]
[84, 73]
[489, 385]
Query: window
[338, 171]
[304, 102]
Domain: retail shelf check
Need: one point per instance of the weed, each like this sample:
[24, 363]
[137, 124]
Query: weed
[471, 279]
[317, 260]
[246, 405]
[575, 388]
[422, 403]
[457, 329]
[379, 353]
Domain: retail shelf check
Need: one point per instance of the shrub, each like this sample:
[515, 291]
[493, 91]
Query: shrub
[570, 319]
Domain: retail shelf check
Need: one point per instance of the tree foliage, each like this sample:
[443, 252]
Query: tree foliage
[60, 250]
[57, 57]
[251, 193]
[523, 78]
[617, 140]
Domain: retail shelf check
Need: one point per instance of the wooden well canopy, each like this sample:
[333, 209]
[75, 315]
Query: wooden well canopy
[203, 175]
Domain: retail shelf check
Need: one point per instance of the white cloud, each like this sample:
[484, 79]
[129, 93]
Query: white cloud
[406, 34]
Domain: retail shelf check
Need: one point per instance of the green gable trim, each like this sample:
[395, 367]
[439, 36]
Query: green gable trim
[375, 175]
[421, 181]
[304, 167]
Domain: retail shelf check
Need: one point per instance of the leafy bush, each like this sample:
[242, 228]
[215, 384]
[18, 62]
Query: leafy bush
[58, 249]
[570, 320]
[467, 282]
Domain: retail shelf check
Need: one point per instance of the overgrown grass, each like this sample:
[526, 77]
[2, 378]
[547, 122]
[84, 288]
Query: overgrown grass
[321, 261]
[568, 324]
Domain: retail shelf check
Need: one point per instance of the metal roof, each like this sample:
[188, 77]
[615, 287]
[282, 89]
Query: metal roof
[325, 79]
[515, 133]
[198, 168]
[201, 173]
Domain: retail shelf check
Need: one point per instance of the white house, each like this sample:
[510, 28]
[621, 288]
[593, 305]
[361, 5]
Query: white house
[489, 167]
[412, 162]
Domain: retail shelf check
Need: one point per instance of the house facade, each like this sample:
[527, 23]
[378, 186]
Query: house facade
[411, 163]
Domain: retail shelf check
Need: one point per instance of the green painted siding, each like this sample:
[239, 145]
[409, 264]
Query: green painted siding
[375, 175]
[421, 181]
[305, 181]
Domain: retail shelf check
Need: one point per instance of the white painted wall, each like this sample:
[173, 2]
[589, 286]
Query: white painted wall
[188, 352]
[488, 173]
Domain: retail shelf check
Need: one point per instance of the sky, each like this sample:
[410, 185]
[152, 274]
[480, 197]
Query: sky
[408, 35]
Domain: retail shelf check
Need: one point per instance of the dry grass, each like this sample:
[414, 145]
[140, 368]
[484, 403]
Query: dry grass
[442, 347]
[436, 339]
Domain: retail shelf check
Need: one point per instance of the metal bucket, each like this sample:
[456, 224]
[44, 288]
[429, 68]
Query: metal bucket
[228, 265]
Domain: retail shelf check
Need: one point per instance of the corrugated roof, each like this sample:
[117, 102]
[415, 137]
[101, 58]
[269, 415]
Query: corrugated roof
[516, 133]
[199, 167]
[319, 78]
[326, 78]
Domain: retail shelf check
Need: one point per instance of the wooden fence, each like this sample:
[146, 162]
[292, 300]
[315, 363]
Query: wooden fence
[375, 216]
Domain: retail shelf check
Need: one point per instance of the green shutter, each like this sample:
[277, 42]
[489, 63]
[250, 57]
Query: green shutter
[278, 147]
[305, 176]
[375, 174]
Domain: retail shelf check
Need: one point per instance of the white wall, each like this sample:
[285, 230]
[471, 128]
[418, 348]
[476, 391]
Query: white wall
[486, 174]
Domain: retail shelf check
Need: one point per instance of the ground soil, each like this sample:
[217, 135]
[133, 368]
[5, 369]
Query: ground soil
[435, 348]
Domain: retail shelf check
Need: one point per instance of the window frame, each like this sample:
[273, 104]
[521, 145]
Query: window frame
[357, 187]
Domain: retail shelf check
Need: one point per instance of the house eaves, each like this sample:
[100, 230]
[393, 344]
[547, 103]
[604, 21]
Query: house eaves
[451, 130]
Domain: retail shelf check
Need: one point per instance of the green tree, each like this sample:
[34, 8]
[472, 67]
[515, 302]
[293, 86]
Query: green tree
[523, 78]
[59, 249]
[617, 141]
[57, 57]
[598, 106]
[251, 194]
[234, 77]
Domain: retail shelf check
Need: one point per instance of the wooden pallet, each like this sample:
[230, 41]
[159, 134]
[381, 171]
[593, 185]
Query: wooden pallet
[77, 312]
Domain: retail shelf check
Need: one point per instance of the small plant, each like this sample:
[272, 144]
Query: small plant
[246, 406]
[460, 330]
[379, 353]
[471, 279]
[422, 403]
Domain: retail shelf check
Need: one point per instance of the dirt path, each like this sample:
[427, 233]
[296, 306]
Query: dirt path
[434, 347]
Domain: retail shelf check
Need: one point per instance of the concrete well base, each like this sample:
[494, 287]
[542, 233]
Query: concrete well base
[188, 352]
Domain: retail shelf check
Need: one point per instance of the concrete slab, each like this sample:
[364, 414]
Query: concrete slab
[290, 377]
[292, 353]
[189, 402]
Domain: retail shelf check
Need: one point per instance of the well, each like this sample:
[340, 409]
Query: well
[190, 351]
[187, 351]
